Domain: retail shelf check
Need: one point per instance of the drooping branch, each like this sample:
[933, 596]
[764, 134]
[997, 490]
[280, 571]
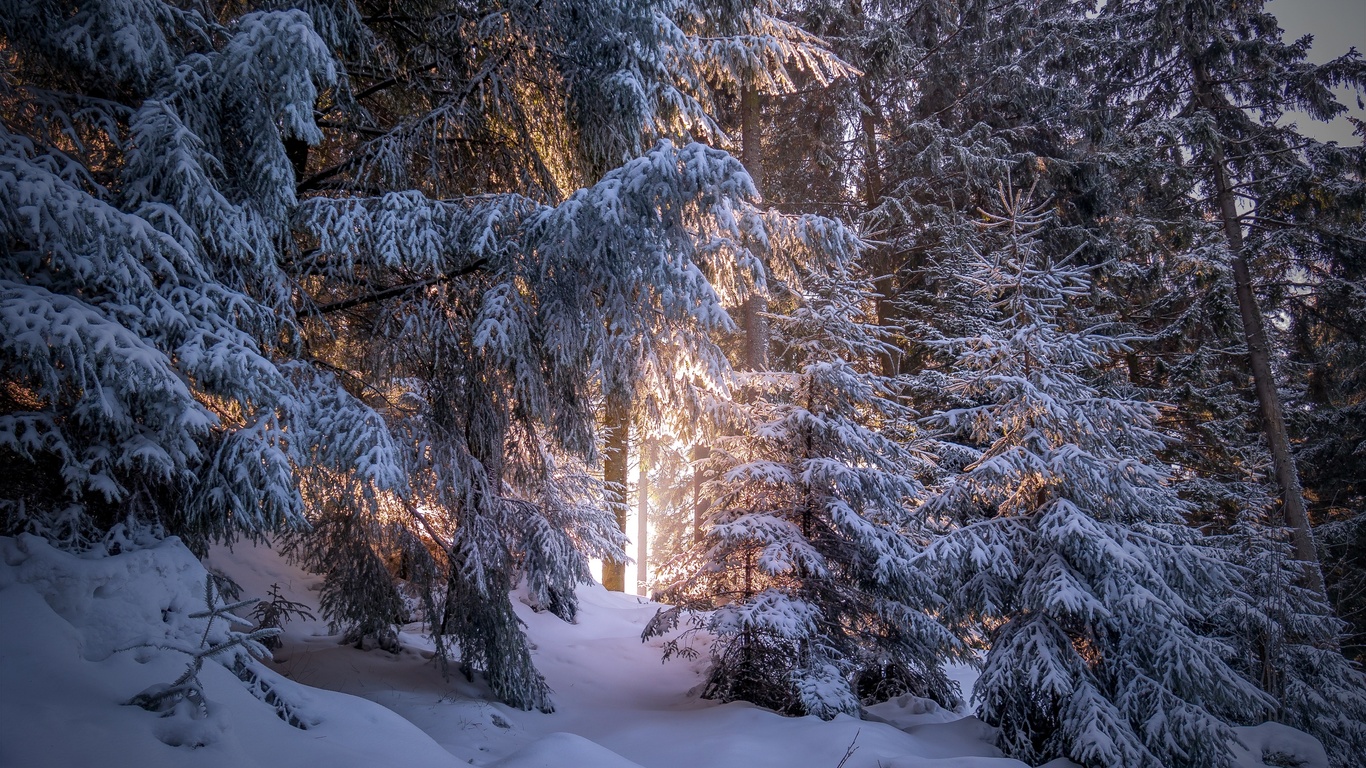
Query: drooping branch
[393, 291]
[395, 80]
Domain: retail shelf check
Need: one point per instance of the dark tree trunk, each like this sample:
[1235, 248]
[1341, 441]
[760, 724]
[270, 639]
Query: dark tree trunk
[1259, 357]
[879, 261]
[614, 473]
[297, 151]
[751, 154]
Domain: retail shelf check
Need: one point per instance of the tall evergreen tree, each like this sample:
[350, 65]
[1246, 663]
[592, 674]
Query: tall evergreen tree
[1066, 540]
[147, 321]
[1195, 94]
[1240, 213]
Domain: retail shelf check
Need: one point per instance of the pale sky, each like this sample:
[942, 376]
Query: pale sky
[1337, 25]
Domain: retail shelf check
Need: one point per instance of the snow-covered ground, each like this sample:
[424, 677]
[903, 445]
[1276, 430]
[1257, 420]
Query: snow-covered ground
[83, 635]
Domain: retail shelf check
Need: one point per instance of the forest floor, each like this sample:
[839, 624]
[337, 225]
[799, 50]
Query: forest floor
[81, 636]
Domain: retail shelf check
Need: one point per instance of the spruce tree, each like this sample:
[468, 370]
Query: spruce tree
[1065, 540]
[1195, 94]
[1230, 211]
[806, 550]
[147, 316]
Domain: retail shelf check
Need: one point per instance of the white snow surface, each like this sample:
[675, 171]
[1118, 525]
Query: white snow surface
[1279, 744]
[84, 634]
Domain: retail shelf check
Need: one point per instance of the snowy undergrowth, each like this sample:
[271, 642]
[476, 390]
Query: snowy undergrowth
[87, 633]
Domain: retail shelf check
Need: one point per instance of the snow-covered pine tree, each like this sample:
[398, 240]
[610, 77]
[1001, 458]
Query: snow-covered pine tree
[1275, 625]
[172, 349]
[489, 313]
[805, 557]
[1215, 191]
[724, 47]
[1065, 540]
[491, 374]
[952, 96]
[145, 197]
[1193, 96]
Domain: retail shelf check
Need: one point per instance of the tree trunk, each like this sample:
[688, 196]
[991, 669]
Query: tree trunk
[700, 504]
[1259, 356]
[647, 456]
[614, 457]
[879, 261]
[751, 154]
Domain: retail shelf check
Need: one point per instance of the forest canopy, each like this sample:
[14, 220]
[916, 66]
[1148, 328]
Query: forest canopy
[1025, 334]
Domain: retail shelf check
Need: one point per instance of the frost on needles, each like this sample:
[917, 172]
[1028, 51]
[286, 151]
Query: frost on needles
[141, 283]
[1066, 531]
[804, 569]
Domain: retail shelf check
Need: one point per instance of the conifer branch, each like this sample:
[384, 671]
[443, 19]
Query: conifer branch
[397, 290]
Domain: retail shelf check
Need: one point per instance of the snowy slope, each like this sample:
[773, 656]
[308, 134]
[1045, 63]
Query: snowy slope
[77, 645]
[87, 646]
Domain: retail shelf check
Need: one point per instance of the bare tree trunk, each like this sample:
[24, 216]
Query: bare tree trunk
[647, 458]
[614, 457]
[1259, 355]
[700, 504]
[751, 154]
[879, 261]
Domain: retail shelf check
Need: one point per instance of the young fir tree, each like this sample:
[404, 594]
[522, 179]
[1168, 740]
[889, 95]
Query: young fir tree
[734, 58]
[1274, 624]
[1065, 540]
[805, 554]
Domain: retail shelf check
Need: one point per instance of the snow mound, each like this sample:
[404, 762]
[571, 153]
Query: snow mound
[564, 750]
[908, 710]
[1277, 744]
[137, 598]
